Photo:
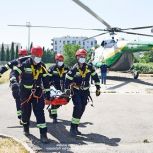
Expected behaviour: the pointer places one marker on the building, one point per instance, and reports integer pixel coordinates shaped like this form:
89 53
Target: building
59 42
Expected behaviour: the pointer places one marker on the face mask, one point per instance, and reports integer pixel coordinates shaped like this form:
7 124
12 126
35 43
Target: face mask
37 60
59 63
81 60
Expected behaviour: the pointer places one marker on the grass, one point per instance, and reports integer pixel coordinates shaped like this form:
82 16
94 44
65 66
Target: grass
8 145
5 77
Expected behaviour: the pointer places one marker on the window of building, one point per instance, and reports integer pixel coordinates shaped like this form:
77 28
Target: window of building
55 42
91 43
83 43
55 48
74 42
68 42
63 42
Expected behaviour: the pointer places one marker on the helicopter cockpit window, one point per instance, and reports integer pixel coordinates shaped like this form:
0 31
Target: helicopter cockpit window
108 43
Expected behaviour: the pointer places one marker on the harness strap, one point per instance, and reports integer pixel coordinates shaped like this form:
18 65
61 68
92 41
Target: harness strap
83 74
34 96
36 72
60 72
27 100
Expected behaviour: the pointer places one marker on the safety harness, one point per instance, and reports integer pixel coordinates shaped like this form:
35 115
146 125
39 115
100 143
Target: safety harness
33 90
60 72
83 75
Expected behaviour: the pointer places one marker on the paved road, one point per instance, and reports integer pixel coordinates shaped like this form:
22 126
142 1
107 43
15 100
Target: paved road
119 121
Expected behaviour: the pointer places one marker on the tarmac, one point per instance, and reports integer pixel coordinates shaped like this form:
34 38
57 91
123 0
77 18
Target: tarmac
121 120
118 82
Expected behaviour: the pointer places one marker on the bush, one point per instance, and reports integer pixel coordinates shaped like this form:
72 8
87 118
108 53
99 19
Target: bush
144 68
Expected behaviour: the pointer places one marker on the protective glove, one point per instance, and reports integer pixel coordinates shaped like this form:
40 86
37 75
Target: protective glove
68 92
14 84
97 92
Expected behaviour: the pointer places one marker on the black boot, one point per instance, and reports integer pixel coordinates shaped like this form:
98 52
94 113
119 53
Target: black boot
43 138
73 131
78 132
26 130
50 114
19 117
55 121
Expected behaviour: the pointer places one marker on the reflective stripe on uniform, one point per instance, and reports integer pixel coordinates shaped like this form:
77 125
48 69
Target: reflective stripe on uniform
17 69
44 75
28 86
6 65
50 75
78 74
19 113
68 77
75 120
92 74
55 72
27 69
47 90
41 126
53 111
85 88
97 83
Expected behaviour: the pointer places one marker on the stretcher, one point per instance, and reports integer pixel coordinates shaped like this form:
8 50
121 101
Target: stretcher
57 97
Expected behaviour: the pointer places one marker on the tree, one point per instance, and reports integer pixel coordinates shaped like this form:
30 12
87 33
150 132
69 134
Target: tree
16 51
12 51
69 54
2 53
48 56
7 54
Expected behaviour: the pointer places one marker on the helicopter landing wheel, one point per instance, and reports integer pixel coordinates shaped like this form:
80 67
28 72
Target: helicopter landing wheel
135 74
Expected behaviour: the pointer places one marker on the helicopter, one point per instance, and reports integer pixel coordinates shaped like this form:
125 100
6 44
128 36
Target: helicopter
116 53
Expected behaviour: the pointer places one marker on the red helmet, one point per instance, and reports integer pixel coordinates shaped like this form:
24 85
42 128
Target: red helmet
81 52
37 51
22 52
59 57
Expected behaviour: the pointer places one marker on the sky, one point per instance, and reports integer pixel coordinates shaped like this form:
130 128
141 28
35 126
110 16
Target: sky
118 13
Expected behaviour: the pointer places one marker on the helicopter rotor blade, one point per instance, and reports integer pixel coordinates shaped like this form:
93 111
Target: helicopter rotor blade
95 36
133 33
20 25
57 27
135 28
92 13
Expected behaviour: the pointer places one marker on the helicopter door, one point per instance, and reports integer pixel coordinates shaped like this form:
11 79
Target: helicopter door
108 43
